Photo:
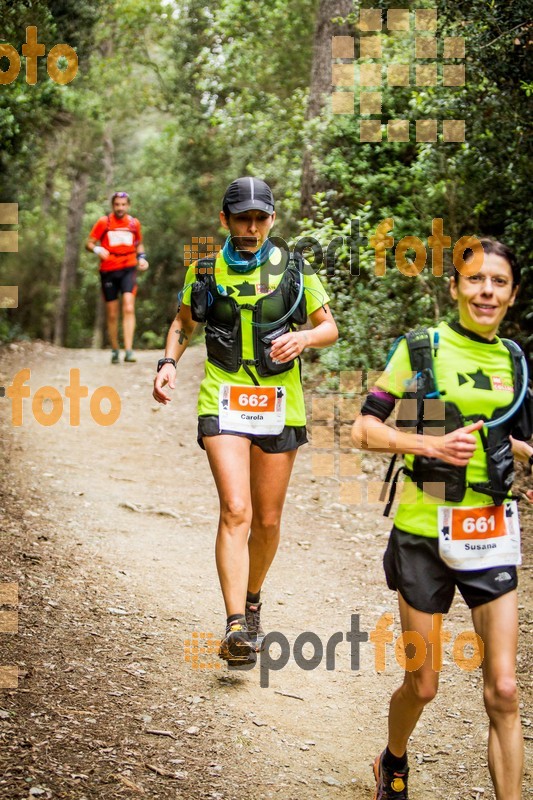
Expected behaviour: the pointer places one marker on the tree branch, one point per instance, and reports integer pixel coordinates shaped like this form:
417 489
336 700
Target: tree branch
521 25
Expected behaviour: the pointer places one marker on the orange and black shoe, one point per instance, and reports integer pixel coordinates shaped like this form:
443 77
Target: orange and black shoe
237 647
390 785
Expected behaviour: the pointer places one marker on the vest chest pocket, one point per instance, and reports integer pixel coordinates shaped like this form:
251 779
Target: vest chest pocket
224 345
264 341
199 301
439 479
500 466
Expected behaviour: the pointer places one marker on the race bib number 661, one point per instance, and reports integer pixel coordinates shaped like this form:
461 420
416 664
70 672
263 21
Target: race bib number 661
476 538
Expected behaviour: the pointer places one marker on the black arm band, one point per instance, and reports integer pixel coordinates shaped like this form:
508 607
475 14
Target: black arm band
377 407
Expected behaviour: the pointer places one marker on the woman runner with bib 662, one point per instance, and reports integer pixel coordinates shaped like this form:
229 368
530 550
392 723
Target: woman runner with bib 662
457 521
251 414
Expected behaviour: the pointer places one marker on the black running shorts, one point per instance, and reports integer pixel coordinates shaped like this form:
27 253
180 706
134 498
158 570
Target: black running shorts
118 281
414 568
291 437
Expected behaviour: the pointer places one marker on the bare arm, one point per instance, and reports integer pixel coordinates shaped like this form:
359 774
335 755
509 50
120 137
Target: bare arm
142 263
323 333
90 245
521 450
178 337
370 433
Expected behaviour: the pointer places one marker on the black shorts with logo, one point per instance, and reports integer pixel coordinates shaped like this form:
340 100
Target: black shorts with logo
290 438
414 567
118 281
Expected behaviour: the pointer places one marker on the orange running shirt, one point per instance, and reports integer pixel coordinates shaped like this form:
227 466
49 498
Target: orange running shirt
120 237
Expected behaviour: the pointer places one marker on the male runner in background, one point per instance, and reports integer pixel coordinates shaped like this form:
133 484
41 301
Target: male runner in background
120 252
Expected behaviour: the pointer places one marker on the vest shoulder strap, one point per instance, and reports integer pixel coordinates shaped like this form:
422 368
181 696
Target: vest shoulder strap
420 358
296 262
205 270
107 227
419 347
519 366
517 354
423 383
133 225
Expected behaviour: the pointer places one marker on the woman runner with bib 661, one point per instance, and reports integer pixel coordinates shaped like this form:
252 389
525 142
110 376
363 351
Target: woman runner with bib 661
457 521
251 414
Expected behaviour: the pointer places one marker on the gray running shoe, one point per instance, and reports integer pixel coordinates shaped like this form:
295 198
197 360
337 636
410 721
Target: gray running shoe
115 356
253 622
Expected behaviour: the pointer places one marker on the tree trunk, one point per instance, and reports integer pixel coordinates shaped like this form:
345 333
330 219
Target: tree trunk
109 170
108 158
69 268
51 169
109 174
97 341
320 85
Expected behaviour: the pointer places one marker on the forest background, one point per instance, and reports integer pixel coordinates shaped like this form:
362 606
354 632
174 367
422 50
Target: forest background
173 99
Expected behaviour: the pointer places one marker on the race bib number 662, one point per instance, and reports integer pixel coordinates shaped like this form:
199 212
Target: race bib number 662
252 409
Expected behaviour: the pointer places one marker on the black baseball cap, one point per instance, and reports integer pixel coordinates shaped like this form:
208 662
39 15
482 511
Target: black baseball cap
245 194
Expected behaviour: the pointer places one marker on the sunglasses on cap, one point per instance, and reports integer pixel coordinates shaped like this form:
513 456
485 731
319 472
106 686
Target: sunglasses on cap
120 194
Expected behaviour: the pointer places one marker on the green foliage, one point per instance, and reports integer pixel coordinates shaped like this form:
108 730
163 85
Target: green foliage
26 111
479 187
182 97
371 310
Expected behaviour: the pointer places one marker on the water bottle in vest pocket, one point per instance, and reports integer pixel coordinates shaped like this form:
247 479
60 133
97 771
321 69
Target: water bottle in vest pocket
199 301
224 344
266 364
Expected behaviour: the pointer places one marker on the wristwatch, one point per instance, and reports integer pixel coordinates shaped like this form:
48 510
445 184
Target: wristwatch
166 361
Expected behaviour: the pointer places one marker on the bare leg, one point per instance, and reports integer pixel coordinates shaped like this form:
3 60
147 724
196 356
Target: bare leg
270 475
229 459
497 625
111 312
418 688
128 319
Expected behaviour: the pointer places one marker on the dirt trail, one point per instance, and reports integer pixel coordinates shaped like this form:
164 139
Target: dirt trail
109 532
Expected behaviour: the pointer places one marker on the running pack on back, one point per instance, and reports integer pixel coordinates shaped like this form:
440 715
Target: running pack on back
273 315
424 410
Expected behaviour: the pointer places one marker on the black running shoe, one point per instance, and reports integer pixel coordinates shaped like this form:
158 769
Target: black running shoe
390 785
236 647
253 622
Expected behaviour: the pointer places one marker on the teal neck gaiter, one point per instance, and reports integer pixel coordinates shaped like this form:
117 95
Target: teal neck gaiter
243 265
